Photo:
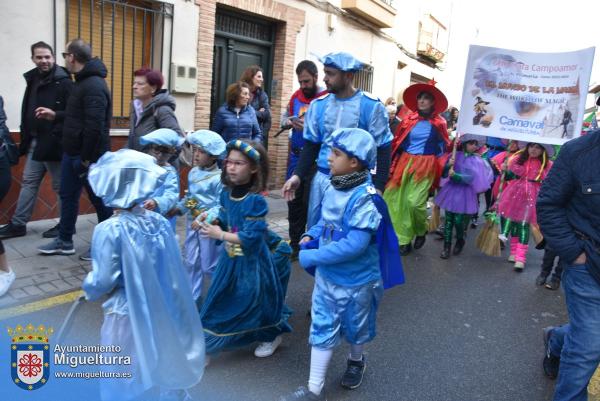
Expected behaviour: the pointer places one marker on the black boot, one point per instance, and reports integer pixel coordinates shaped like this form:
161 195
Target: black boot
405 249
458 247
446 252
419 241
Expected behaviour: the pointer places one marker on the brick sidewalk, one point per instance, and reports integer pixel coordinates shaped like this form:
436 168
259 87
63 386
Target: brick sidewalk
40 276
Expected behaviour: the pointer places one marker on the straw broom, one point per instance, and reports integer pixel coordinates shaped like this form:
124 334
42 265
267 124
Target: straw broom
487 240
435 220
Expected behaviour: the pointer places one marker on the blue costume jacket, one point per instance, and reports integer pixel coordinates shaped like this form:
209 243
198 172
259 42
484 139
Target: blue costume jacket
328 113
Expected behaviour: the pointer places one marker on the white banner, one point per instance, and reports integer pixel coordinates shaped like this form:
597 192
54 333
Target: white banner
532 97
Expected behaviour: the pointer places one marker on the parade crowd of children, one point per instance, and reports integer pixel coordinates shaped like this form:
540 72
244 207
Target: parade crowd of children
227 288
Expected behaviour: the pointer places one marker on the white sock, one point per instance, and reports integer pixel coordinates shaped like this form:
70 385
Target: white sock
319 361
356 352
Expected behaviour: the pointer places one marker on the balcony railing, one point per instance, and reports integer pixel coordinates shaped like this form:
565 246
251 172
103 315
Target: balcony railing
378 12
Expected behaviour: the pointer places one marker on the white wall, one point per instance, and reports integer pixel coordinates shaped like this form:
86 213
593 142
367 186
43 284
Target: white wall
16 16
316 39
185 37
17 33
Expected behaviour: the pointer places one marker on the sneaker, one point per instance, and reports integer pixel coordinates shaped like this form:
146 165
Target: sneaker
303 394
553 284
11 231
58 247
474 223
541 279
353 376
519 266
551 362
51 233
87 255
6 280
267 349
511 258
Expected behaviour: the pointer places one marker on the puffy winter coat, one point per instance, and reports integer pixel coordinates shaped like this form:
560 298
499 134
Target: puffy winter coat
260 100
88 114
231 124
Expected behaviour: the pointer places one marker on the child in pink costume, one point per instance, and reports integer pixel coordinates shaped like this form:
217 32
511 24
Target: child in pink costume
498 164
517 202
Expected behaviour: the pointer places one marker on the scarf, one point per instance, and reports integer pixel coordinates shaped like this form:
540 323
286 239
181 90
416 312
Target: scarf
349 180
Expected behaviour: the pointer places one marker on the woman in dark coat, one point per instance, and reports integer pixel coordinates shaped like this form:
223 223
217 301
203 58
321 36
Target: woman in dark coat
259 100
236 119
152 107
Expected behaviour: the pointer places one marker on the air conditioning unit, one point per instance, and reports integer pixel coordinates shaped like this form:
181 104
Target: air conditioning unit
184 79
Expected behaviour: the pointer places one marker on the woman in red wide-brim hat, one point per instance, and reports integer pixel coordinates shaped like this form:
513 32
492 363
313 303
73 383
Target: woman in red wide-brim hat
419 142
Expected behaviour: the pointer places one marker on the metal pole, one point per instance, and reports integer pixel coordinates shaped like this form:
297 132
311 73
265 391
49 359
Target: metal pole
79 20
123 63
112 52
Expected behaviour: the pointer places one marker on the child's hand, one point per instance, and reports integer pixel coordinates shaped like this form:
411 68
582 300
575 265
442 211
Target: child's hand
451 172
211 231
196 224
305 239
201 217
149 204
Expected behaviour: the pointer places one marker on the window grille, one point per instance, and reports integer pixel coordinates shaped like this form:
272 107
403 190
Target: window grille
363 79
126 35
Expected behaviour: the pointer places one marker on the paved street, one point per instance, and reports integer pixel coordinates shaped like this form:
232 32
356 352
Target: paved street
467 328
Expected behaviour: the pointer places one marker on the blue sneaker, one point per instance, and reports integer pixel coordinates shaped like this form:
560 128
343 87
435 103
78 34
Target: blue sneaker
57 247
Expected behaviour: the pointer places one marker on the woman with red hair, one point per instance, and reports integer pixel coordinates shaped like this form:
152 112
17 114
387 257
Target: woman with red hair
152 107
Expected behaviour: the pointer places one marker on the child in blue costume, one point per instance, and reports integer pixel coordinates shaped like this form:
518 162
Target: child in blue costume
163 144
136 262
348 280
245 301
204 189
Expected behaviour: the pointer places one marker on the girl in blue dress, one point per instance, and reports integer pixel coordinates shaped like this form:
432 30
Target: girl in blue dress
245 302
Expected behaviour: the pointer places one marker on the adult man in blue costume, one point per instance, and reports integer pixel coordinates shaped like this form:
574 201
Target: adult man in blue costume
343 107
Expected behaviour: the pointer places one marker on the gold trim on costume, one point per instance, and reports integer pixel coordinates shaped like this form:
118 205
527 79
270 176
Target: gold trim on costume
243 331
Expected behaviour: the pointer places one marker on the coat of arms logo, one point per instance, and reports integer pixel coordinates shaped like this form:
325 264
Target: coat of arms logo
30 355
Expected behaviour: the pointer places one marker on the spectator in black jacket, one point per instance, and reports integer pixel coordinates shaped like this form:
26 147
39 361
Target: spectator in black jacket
42 115
85 139
259 100
568 212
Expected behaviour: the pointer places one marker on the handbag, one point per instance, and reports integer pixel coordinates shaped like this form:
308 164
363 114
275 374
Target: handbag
8 148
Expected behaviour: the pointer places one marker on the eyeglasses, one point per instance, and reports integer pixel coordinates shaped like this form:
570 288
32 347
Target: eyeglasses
64 54
236 163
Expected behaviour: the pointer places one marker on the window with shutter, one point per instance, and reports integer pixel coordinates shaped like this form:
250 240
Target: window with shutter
126 35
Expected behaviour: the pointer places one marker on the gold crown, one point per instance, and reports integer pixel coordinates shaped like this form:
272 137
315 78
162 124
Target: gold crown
30 333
